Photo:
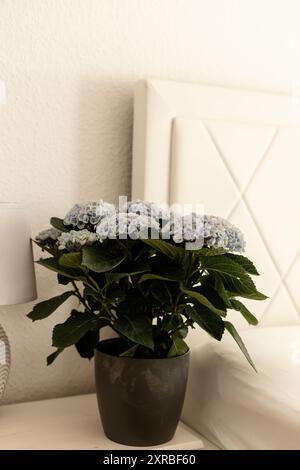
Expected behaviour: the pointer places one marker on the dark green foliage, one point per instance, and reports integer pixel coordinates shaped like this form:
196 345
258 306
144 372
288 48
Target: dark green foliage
44 309
75 327
150 292
58 224
207 320
102 257
86 344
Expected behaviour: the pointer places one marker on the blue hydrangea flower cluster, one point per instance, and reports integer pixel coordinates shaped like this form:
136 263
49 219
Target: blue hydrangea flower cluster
76 239
97 221
204 230
219 233
48 236
187 228
88 213
150 209
127 225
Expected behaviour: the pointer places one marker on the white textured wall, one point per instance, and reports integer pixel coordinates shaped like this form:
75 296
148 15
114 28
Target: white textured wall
65 134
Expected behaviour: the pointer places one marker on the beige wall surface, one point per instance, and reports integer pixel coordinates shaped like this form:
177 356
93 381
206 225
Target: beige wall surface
65 132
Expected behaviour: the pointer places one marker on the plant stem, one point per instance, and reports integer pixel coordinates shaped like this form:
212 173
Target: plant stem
93 282
108 310
80 297
176 302
94 286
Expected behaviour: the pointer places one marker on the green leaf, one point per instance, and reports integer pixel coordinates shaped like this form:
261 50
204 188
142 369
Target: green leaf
203 301
43 247
115 293
148 277
171 322
160 292
222 265
244 262
168 268
178 348
88 292
51 358
209 322
86 345
243 287
136 328
183 332
58 224
115 277
61 279
212 295
216 282
45 308
100 259
126 270
231 329
73 329
237 305
70 260
172 251
208 251
130 352
53 265
133 304
235 278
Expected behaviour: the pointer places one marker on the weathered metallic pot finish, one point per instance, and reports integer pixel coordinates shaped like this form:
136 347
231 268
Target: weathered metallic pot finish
140 400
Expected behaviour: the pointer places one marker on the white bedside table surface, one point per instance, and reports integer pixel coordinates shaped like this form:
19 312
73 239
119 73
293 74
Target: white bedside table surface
70 423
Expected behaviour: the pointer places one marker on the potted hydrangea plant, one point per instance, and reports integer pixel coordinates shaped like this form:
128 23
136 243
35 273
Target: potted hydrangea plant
149 274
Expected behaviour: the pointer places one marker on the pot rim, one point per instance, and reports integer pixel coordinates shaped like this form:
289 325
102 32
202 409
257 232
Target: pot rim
98 351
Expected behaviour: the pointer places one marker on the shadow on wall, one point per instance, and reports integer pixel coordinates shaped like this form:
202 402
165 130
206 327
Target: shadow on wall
105 118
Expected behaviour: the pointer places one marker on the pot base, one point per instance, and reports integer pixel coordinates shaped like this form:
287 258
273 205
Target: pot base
140 400
135 442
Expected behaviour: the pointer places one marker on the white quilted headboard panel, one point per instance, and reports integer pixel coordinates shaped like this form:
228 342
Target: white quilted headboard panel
237 153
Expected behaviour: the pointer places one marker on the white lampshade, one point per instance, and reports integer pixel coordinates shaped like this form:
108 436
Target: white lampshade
2 92
17 279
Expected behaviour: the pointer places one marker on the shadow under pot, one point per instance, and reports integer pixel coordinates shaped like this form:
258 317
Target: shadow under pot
140 400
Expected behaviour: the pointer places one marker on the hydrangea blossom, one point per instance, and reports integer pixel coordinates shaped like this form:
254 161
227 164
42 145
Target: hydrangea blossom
137 219
205 230
75 239
124 225
48 236
150 209
219 233
187 228
88 213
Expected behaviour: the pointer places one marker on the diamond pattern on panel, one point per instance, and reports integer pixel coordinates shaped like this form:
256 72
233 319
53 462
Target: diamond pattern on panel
293 280
243 146
269 281
274 197
267 214
281 311
194 156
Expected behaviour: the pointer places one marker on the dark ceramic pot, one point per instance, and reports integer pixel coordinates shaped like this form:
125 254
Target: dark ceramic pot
140 400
